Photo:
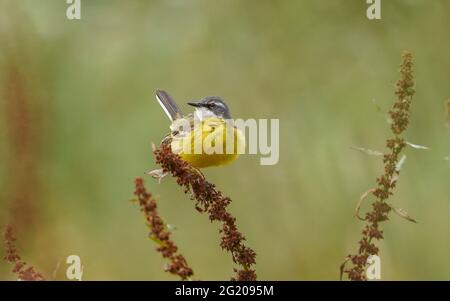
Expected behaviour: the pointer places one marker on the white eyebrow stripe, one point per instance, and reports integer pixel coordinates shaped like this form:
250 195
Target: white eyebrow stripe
220 104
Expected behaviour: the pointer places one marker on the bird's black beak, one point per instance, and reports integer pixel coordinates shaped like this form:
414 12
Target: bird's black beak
195 104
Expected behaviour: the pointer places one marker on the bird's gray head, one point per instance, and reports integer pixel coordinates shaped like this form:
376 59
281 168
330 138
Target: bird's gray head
213 104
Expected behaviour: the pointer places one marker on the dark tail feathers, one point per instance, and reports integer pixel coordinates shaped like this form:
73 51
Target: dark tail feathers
168 104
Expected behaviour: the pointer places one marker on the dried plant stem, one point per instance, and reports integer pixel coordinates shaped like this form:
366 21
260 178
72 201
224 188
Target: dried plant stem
23 272
399 114
21 114
160 234
214 203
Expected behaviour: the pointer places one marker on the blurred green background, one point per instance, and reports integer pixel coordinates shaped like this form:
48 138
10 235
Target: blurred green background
78 115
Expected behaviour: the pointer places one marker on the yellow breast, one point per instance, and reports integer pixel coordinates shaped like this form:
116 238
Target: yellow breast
211 143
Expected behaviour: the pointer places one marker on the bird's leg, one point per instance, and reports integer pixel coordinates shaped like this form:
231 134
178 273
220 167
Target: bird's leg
158 174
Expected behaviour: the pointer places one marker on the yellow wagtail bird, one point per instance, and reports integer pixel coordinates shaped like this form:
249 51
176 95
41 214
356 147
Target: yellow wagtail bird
210 131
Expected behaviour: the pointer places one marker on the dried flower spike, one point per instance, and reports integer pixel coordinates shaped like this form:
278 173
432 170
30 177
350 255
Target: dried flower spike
214 203
23 272
160 234
399 114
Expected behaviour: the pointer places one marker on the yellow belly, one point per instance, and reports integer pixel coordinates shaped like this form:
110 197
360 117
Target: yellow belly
212 152
204 160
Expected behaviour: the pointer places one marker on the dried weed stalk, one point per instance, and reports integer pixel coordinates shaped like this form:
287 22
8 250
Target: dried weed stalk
160 234
214 203
20 268
399 115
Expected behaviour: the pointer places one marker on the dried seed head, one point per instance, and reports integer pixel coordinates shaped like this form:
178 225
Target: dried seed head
160 234
399 115
208 199
20 267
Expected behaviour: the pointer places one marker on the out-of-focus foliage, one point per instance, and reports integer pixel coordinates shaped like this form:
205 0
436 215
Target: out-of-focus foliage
78 115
